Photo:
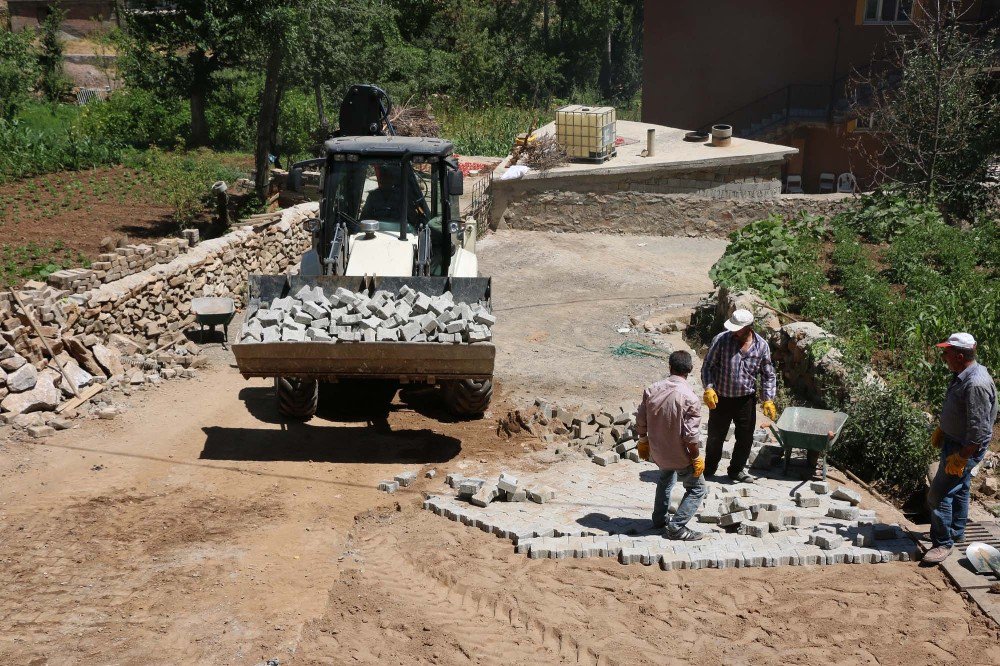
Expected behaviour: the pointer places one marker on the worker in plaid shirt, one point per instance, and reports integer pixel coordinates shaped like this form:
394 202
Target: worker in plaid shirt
729 375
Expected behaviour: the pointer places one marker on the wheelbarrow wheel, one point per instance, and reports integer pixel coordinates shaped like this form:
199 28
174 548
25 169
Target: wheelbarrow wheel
297 398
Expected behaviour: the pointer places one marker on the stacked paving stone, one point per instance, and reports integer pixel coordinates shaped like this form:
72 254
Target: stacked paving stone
609 436
507 488
112 266
348 316
604 512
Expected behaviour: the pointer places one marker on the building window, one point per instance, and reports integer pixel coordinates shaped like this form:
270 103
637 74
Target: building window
887 11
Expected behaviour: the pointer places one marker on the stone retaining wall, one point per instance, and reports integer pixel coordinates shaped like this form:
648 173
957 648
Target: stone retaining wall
638 212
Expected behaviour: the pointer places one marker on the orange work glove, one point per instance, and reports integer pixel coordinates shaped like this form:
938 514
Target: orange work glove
955 464
711 398
643 448
699 466
937 438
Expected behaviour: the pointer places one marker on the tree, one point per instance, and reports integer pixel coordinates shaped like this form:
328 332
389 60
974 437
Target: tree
54 83
178 50
18 70
934 109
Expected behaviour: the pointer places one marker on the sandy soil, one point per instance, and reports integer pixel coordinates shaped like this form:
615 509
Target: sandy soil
200 528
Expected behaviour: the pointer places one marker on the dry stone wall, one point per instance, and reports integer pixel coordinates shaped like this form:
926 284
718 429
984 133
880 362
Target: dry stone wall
658 214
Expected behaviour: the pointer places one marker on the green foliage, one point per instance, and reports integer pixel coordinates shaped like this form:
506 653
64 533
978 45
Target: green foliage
35 262
26 152
883 215
54 83
18 71
488 130
885 439
136 117
759 256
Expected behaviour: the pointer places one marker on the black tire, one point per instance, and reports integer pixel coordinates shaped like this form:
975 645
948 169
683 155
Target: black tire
467 397
297 398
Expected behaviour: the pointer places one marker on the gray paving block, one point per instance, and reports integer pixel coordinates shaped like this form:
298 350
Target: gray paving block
847 495
753 528
485 495
388 486
820 487
507 482
806 500
842 513
735 518
405 479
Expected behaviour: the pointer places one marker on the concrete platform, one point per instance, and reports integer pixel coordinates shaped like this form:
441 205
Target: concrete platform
671 152
605 512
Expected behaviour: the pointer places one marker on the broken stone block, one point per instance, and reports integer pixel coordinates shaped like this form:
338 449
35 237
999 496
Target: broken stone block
44 395
453 479
847 495
753 528
774 519
519 495
485 495
109 359
39 431
12 362
842 513
735 518
605 458
59 423
405 479
22 379
806 500
107 413
508 482
820 487
388 486
540 494
469 487
827 541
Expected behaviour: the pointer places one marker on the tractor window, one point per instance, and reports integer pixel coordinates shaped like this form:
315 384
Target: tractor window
373 189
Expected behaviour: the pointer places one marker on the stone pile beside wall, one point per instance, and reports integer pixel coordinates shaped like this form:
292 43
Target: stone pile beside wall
142 316
113 266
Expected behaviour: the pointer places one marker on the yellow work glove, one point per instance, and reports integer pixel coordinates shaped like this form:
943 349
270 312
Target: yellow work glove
955 464
699 466
770 411
711 398
643 448
937 438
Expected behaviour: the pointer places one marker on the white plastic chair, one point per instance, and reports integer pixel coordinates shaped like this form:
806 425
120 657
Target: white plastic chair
847 183
793 185
826 181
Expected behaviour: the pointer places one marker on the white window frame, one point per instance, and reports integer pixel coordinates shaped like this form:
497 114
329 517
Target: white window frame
899 18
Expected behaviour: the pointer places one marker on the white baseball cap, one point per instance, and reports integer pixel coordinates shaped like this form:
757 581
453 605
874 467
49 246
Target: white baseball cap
959 341
739 319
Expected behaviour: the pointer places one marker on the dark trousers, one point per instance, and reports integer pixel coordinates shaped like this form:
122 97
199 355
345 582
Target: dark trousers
743 412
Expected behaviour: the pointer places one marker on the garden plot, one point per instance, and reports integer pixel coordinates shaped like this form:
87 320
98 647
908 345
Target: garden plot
578 509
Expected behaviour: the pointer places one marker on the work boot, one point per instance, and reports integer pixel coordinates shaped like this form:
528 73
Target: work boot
742 477
937 554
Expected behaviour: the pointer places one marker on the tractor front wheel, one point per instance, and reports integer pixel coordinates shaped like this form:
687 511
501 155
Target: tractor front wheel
297 398
467 397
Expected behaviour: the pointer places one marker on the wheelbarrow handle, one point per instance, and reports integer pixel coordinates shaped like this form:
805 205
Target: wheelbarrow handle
776 434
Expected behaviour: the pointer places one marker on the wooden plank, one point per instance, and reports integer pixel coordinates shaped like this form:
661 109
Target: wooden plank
86 395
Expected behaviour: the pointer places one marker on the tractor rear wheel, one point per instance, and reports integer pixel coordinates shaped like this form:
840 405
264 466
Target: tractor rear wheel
467 397
297 398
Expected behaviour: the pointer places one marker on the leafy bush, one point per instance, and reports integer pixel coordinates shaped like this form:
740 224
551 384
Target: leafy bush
489 130
886 214
138 118
26 152
885 439
18 70
760 254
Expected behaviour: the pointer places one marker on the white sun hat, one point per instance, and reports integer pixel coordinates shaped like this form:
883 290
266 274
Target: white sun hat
959 341
739 319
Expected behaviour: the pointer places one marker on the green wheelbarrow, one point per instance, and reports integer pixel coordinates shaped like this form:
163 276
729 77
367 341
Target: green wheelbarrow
213 311
809 429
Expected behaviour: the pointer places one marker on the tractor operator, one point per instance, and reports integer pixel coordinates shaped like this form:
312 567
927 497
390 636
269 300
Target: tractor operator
735 359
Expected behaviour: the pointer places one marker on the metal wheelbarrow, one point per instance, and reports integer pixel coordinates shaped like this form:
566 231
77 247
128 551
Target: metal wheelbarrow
213 311
809 429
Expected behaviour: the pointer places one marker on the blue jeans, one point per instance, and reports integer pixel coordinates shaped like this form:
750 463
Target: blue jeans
694 491
948 498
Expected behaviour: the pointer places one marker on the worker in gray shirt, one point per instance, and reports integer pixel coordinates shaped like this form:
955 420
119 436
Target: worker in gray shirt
966 428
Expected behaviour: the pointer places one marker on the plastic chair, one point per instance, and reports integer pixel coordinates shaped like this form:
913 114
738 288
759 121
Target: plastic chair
793 185
826 181
847 183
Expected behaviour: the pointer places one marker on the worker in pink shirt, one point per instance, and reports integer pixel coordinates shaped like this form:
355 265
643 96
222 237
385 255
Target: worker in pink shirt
668 423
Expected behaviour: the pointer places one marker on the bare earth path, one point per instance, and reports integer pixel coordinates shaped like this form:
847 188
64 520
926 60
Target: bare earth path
198 528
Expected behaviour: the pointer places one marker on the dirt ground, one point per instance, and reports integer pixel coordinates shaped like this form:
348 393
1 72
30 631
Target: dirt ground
198 527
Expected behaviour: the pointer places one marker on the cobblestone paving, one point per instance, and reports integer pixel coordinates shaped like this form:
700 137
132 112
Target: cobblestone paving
605 512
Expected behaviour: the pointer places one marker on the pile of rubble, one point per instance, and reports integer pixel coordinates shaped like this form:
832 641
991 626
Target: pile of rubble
43 367
348 316
609 436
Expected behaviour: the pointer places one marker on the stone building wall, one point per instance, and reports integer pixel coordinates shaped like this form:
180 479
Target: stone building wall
637 212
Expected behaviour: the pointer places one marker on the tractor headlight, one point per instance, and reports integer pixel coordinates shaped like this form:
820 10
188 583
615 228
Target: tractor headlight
311 225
